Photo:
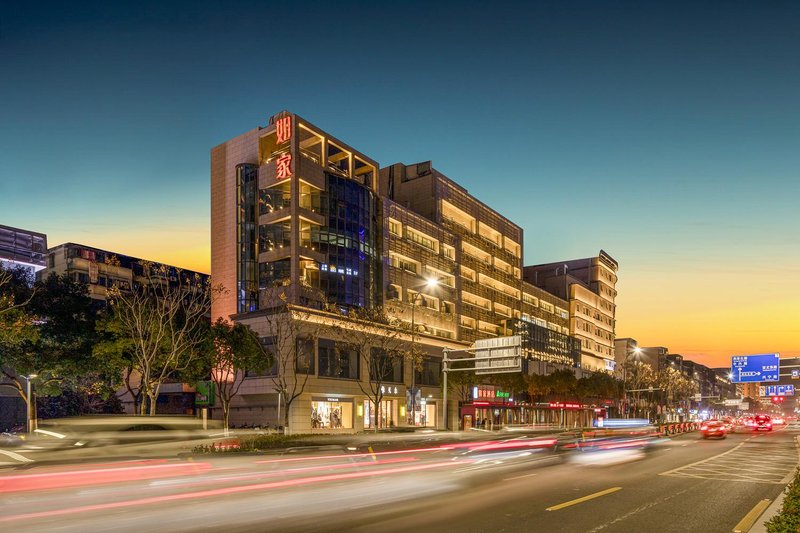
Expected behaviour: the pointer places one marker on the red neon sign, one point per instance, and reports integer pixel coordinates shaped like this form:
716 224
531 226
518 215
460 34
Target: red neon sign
283 129
283 166
563 405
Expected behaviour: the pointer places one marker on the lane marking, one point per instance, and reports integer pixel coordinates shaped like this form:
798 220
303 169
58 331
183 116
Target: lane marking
583 499
701 462
520 477
750 518
16 456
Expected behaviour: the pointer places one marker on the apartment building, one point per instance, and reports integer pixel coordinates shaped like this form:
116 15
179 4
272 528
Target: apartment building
300 218
101 270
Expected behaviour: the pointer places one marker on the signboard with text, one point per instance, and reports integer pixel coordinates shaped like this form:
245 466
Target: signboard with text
755 368
776 390
498 355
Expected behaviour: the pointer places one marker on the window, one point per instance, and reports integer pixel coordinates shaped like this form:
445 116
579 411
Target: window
430 373
331 414
449 252
304 361
395 228
269 344
385 367
337 360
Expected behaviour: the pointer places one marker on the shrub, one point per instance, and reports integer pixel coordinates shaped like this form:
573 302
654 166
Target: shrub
788 520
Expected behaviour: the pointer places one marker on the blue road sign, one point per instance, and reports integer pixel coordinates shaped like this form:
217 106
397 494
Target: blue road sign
778 390
755 368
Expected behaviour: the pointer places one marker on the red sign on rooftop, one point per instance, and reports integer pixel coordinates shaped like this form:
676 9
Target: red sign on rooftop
283 129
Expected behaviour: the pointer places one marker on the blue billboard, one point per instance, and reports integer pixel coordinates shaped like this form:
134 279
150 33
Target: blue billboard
755 368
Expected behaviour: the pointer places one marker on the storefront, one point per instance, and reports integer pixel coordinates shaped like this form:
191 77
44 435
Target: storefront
490 408
422 411
331 413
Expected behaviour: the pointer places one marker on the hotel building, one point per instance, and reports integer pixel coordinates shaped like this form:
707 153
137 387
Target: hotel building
299 217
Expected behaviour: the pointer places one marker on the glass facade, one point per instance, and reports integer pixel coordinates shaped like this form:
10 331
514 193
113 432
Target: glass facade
246 224
351 276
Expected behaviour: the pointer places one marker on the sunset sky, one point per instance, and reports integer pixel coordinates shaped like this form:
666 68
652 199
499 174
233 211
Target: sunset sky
667 135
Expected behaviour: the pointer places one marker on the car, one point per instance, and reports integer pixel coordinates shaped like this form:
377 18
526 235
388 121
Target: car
713 428
730 424
762 423
778 421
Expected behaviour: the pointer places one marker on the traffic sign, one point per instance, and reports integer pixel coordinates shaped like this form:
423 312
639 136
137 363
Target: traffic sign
755 368
795 373
777 390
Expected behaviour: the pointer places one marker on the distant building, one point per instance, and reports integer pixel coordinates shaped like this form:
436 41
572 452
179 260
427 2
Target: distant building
589 285
104 269
22 248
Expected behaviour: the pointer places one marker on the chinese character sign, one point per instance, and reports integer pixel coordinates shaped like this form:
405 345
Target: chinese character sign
283 129
283 166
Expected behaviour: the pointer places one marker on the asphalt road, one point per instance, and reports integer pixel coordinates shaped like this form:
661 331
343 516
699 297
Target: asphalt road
689 484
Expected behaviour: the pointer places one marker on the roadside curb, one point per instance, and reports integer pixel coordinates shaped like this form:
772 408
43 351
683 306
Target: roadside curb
775 507
772 510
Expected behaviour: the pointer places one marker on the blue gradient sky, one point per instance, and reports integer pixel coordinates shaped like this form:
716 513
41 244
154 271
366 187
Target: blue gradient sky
666 134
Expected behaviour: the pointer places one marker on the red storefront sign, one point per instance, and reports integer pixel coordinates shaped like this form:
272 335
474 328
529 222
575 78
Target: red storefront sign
565 405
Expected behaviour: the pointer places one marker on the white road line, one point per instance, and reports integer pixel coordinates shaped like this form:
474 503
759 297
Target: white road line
16 456
519 477
701 462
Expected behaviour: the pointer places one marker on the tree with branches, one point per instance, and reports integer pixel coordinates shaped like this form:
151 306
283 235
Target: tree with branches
380 347
290 347
156 330
230 351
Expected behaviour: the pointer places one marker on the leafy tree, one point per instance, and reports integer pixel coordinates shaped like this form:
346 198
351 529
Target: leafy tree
230 351
58 347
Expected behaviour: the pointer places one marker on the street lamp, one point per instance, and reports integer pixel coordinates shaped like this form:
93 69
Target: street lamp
28 407
430 283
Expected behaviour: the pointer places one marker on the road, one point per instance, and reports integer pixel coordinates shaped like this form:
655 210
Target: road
688 484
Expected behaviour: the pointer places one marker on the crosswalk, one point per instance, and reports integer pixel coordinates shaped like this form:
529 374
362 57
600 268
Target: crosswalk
757 460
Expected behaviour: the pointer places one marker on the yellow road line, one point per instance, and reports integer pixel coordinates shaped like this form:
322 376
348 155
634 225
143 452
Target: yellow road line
583 499
750 518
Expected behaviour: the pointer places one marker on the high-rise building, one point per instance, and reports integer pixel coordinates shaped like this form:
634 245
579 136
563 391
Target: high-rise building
589 285
300 218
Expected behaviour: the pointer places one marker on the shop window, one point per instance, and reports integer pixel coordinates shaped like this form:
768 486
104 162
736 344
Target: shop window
331 414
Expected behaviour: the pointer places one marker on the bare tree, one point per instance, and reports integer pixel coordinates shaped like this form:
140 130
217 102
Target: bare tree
289 345
380 347
159 325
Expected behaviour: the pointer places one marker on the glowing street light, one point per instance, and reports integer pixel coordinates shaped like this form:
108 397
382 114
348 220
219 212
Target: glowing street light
430 283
